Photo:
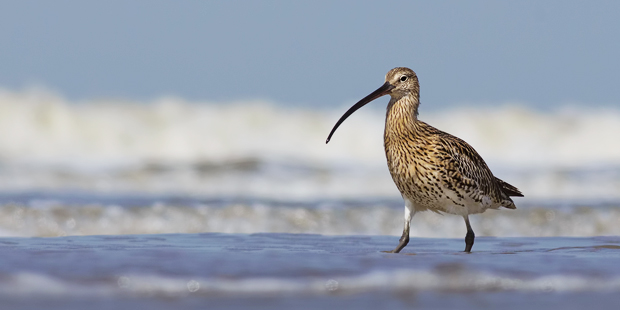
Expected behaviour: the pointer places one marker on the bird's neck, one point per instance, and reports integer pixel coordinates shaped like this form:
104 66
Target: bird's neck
402 116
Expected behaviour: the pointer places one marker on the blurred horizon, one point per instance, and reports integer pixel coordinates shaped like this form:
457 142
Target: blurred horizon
319 54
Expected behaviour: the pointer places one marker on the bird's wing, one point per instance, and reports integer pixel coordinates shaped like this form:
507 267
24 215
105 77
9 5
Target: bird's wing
466 169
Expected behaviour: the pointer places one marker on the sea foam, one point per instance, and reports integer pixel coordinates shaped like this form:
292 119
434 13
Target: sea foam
256 148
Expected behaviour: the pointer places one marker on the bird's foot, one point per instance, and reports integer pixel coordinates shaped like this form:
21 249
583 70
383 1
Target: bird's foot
392 251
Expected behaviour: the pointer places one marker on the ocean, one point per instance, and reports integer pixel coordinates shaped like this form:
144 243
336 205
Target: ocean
169 203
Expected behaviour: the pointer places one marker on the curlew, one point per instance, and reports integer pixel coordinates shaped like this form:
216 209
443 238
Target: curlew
433 170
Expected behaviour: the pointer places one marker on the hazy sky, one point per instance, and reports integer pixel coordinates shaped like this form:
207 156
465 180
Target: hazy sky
317 53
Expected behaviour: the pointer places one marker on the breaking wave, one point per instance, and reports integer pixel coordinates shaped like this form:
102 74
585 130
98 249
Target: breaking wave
260 149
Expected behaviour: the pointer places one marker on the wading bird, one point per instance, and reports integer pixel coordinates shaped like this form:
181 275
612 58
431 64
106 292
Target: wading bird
433 170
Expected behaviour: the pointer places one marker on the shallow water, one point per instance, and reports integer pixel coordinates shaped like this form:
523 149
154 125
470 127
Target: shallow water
282 270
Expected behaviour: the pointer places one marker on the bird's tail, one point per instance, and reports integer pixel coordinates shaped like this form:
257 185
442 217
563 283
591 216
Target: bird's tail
508 189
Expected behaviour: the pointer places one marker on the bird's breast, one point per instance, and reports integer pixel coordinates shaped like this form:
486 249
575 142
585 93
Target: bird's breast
413 171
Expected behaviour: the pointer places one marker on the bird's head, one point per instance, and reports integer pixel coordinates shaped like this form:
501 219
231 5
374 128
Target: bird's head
404 82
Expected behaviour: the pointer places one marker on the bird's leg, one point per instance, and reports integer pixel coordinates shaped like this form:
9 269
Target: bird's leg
404 239
469 238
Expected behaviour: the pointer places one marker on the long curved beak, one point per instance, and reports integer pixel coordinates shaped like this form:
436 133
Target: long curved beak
383 90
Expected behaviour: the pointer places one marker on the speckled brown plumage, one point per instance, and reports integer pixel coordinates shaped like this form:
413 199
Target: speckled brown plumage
432 169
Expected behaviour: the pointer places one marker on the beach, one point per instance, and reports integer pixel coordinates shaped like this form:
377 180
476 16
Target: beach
180 204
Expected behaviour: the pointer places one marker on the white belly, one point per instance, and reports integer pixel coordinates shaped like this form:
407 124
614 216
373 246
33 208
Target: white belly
449 202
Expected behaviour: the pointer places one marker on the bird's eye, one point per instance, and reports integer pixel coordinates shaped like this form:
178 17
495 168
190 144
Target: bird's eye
403 78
